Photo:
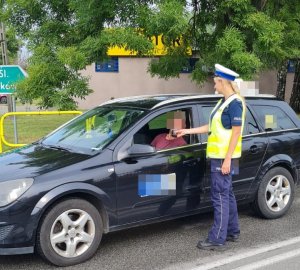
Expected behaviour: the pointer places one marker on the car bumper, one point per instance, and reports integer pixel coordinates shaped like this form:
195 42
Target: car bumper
17 229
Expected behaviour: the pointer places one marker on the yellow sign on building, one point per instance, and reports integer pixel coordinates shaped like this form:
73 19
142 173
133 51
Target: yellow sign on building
159 48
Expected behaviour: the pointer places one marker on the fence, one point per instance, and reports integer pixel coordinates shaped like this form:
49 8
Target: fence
27 127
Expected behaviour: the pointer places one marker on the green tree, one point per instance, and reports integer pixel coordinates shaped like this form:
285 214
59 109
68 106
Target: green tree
236 33
293 37
287 12
247 35
65 36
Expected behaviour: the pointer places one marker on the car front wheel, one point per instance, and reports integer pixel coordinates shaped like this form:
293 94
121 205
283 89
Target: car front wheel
70 232
275 193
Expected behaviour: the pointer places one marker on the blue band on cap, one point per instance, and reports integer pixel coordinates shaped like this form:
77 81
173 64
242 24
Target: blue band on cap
225 76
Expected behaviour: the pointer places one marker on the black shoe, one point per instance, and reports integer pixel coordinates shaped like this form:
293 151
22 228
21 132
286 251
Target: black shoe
233 237
209 245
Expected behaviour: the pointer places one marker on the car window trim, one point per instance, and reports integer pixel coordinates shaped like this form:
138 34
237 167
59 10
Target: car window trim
248 135
179 147
262 133
282 130
267 132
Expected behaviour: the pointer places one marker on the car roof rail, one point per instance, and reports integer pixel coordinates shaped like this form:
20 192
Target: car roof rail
177 97
169 101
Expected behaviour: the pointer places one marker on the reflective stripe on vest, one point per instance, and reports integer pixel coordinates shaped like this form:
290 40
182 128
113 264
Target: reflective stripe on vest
219 137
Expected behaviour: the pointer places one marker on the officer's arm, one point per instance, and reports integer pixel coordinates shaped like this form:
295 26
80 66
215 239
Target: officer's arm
197 130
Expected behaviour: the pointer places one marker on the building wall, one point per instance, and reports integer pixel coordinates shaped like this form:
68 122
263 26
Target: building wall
268 84
133 79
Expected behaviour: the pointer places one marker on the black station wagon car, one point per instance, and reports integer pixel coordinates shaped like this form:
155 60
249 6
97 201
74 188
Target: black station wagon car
90 176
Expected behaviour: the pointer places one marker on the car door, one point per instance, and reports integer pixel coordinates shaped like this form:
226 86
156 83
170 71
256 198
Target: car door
282 127
254 144
183 163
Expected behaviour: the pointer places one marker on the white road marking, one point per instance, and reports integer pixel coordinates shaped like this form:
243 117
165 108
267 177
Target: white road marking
271 260
248 254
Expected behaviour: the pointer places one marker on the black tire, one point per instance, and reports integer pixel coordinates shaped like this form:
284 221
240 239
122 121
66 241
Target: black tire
274 207
73 210
3 100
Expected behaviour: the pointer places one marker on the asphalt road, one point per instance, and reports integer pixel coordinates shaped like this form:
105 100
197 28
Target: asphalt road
172 245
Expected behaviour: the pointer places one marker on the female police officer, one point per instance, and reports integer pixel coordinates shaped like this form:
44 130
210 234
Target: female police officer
223 148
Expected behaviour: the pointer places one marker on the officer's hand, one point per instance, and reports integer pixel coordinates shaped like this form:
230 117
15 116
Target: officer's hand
181 132
226 166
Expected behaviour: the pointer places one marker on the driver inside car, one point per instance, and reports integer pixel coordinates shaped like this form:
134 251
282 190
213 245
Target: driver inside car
175 120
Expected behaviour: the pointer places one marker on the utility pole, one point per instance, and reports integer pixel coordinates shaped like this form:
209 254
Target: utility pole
3 40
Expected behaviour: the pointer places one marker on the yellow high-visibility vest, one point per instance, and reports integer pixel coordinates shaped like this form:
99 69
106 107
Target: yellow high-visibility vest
219 137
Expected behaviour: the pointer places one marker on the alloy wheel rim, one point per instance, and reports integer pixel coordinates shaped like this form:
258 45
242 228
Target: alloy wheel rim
72 233
278 193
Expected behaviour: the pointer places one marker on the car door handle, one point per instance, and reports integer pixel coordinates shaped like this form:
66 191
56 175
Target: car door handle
193 187
190 162
254 149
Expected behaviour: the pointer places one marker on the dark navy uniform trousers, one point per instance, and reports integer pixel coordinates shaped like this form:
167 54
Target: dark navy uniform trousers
224 203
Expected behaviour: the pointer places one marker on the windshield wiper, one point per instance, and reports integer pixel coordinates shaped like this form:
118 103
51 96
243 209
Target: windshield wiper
96 148
57 147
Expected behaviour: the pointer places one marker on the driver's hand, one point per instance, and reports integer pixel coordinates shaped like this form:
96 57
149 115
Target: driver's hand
181 132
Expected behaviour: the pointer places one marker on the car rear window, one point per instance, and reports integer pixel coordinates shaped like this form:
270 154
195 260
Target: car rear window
273 118
251 126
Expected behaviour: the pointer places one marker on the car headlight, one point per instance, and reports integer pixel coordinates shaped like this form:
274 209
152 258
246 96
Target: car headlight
13 189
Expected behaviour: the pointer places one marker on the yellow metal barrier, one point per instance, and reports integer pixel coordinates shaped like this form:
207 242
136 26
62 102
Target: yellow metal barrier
3 141
1 148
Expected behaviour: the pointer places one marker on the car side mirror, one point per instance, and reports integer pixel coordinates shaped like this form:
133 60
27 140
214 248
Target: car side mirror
140 149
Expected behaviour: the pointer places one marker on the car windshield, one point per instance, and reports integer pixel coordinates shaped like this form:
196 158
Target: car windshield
93 130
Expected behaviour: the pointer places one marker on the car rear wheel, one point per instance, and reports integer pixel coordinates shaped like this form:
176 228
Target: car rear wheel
70 233
275 193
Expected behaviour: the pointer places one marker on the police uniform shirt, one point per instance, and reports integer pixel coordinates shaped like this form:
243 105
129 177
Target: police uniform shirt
232 114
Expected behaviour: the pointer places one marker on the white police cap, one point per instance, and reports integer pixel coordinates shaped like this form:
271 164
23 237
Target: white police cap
225 73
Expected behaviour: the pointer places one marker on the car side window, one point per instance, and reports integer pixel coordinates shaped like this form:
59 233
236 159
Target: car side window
158 122
157 132
251 126
273 118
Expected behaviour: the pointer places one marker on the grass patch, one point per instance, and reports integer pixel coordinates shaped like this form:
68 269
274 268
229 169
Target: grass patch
31 128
